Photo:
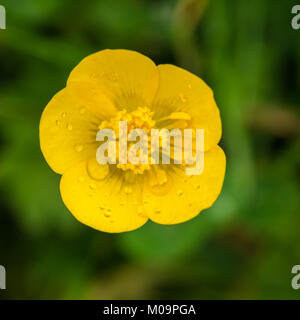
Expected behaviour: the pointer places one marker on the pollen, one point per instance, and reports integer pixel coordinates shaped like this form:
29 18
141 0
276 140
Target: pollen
141 118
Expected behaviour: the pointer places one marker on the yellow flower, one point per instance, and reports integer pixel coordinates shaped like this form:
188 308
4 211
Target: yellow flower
114 85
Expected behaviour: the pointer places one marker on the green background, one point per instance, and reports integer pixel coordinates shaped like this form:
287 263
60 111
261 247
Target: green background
243 247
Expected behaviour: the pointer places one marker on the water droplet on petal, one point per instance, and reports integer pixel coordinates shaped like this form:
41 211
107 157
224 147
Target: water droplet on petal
179 192
63 114
162 177
58 123
113 76
93 186
128 190
82 110
97 171
81 179
157 211
189 86
197 186
78 147
107 213
182 97
102 207
69 127
141 212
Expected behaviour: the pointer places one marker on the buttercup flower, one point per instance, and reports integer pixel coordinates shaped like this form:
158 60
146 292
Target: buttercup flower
122 85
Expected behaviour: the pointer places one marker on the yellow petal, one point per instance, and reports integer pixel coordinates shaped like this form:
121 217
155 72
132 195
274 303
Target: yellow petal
69 125
182 92
129 78
187 195
102 201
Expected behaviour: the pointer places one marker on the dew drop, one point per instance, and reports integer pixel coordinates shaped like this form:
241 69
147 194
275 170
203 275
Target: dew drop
63 114
82 110
81 179
58 123
189 86
162 177
113 76
182 97
157 211
69 127
97 171
91 194
128 190
107 213
179 192
93 186
140 210
78 147
141 213
102 206
197 186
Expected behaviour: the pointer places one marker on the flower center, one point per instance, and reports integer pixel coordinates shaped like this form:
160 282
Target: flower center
141 118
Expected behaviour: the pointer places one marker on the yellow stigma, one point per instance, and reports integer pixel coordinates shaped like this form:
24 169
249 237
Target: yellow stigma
141 118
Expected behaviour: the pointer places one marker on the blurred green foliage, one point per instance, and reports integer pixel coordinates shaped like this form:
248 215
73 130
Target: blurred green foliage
242 247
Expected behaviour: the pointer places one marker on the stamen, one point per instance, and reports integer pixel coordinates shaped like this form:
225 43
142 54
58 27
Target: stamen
140 118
